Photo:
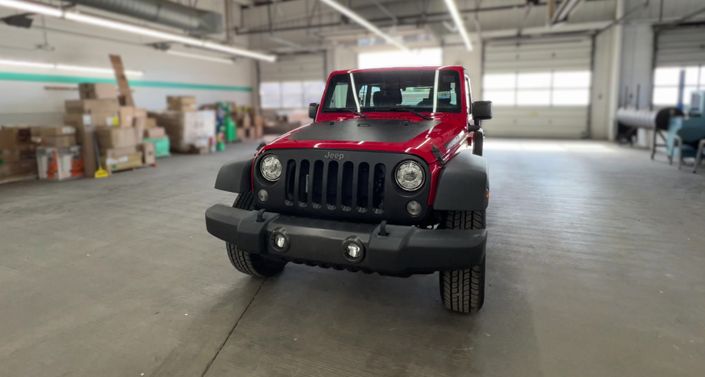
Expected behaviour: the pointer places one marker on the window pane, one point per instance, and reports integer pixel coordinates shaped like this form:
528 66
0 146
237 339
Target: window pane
292 95
692 75
270 95
412 96
665 96
702 77
571 97
534 80
688 93
499 81
533 97
574 79
667 76
313 90
499 97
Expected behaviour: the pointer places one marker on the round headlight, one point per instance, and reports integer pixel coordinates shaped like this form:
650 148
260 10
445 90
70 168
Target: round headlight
409 175
270 167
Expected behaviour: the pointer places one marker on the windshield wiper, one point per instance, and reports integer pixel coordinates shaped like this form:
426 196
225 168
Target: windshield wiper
407 110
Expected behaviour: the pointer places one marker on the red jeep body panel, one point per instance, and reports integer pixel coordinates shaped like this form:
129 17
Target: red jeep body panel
449 136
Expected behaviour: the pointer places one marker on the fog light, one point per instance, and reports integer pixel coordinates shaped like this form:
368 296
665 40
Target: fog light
414 208
280 240
353 249
262 195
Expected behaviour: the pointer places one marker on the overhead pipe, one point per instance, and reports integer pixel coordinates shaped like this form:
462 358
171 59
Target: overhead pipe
169 13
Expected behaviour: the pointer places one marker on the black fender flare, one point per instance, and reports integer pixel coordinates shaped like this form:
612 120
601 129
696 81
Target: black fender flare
235 177
463 184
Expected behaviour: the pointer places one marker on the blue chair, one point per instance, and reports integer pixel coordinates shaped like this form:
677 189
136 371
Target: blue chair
686 139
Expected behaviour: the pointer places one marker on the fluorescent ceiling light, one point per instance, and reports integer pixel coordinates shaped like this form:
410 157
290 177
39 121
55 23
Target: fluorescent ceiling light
32 7
66 67
133 29
363 22
200 57
453 9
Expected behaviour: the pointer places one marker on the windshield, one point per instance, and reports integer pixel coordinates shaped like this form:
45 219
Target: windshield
385 90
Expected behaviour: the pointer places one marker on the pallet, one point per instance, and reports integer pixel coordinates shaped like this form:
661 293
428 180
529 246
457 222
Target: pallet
192 149
18 178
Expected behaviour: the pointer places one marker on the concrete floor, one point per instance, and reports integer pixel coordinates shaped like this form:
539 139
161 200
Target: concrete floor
596 264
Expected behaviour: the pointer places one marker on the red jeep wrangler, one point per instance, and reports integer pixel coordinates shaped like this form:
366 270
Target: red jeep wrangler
389 178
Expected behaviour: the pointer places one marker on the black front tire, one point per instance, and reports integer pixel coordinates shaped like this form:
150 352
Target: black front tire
463 290
253 264
249 263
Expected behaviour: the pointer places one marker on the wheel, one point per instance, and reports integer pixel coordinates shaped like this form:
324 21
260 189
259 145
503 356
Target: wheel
253 264
463 290
248 263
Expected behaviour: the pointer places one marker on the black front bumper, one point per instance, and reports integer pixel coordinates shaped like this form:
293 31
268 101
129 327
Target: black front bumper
402 250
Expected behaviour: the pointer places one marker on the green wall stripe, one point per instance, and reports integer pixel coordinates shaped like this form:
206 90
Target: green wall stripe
32 77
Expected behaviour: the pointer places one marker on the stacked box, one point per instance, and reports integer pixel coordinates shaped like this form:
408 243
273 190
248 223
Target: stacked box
17 154
149 156
59 164
108 107
118 147
250 124
97 91
189 131
181 103
161 146
85 115
55 136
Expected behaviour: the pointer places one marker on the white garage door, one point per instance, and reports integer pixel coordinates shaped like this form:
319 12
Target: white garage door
539 87
292 82
680 55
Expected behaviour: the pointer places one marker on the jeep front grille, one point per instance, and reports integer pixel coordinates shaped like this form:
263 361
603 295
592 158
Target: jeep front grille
331 185
341 184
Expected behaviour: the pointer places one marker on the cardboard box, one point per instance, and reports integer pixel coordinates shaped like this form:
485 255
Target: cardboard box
61 141
59 163
54 136
116 153
17 153
116 137
161 146
148 153
154 132
188 129
123 162
150 122
181 103
11 137
18 168
97 91
95 119
92 106
52 131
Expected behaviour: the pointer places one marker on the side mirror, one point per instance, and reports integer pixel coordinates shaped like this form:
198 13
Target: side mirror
312 110
481 110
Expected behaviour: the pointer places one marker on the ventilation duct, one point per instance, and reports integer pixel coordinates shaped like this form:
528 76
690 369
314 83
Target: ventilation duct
162 12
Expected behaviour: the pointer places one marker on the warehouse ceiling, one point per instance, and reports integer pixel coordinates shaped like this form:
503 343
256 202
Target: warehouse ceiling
294 26
310 22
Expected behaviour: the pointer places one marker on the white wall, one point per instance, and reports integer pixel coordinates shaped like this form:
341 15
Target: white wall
31 103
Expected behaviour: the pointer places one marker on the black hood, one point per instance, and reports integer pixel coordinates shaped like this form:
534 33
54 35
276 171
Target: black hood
376 130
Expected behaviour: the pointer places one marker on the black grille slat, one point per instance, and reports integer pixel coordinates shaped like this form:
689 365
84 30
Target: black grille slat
289 183
378 187
362 183
332 185
346 194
